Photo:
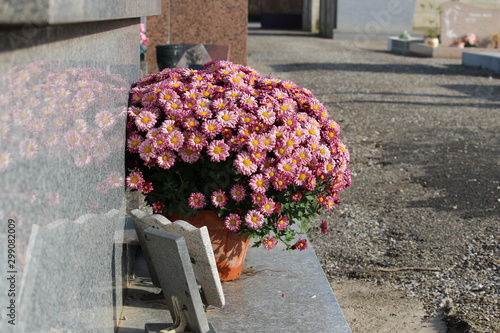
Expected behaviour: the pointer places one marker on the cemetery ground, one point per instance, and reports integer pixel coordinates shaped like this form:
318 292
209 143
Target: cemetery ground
416 240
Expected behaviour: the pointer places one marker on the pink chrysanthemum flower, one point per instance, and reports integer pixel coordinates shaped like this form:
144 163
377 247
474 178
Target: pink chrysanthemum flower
148 99
321 199
330 202
254 219
232 94
189 154
246 119
166 159
211 128
153 133
258 183
175 140
159 142
280 182
255 142
146 188
269 243
218 151
287 166
219 198
190 103
168 126
219 104
258 198
290 140
282 223
268 141
268 206
266 115
238 192
146 150
191 93
302 174
173 105
323 152
227 118
197 140
300 245
145 120
248 102
258 156
270 173
134 180
202 112
310 184
158 207
296 196
303 155
232 222
244 164
324 227
190 123
197 200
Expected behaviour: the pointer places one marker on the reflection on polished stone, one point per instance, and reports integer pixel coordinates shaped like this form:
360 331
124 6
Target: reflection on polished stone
62 135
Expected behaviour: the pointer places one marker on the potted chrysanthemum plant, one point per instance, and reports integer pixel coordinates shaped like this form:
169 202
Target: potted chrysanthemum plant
255 153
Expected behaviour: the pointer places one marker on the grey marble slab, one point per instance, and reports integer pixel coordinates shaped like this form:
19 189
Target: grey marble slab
277 292
37 12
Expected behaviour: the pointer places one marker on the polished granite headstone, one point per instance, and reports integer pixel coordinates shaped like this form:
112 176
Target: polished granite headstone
63 100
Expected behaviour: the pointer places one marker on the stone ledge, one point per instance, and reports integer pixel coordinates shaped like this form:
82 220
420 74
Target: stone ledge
485 60
43 12
277 292
425 50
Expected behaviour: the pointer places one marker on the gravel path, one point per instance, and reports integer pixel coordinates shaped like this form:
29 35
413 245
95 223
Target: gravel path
422 216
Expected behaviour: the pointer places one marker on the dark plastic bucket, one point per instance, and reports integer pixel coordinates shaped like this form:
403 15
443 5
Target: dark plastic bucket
167 56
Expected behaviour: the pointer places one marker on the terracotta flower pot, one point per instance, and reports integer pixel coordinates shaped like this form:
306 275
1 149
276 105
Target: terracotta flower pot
230 248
